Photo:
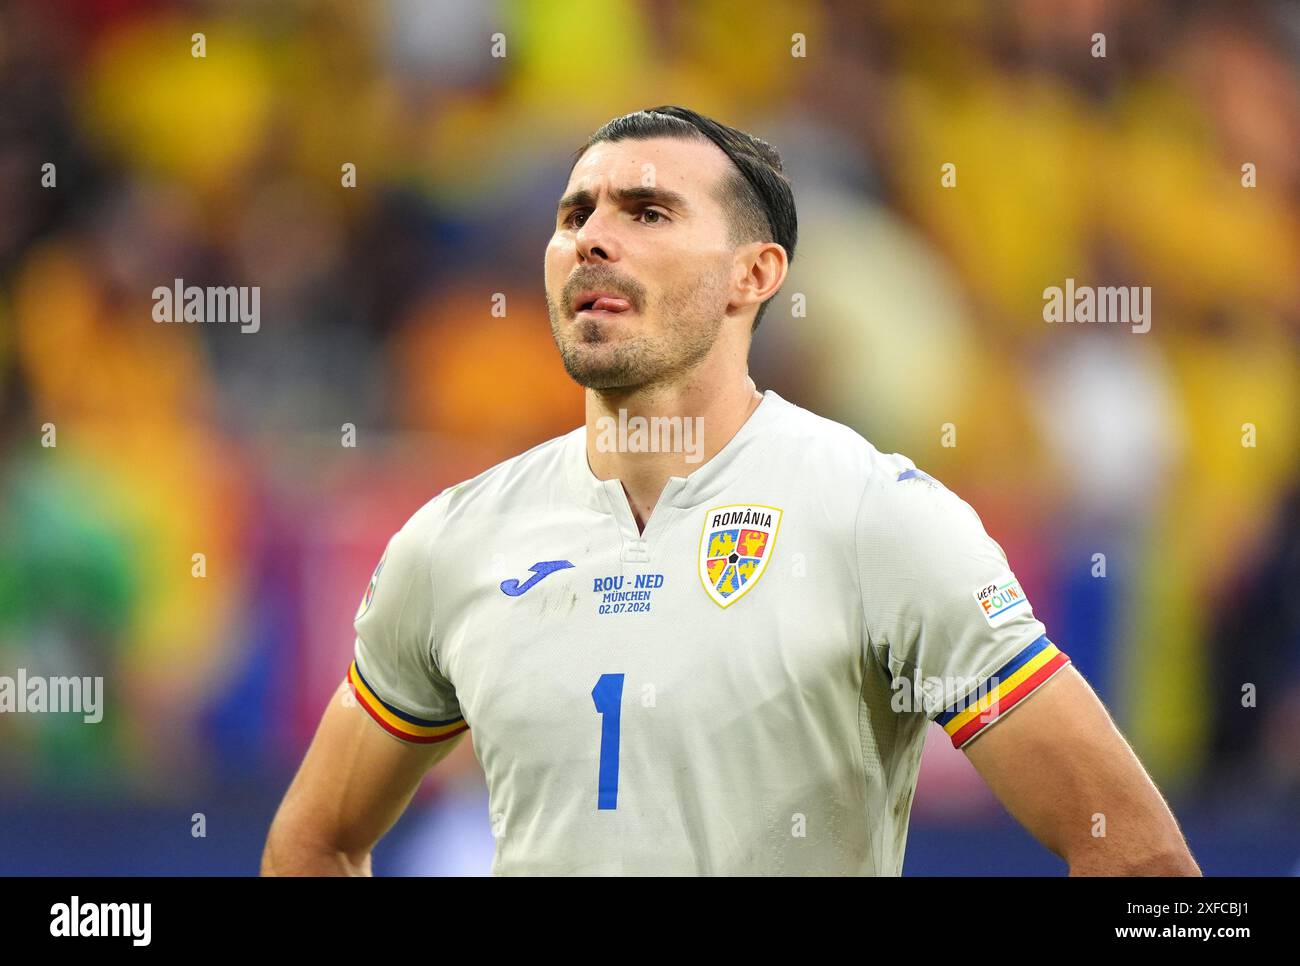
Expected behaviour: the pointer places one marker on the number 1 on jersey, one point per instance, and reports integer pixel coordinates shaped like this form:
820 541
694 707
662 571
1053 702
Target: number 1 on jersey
608 696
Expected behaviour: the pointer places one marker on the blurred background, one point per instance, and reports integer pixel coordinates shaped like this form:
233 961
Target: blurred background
924 307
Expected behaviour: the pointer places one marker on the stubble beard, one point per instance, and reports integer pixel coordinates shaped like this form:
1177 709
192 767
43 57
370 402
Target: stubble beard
692 318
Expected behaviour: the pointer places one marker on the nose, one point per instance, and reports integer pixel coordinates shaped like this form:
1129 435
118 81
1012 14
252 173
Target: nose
594 240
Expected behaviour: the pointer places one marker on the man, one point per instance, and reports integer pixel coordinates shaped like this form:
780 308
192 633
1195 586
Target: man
718 655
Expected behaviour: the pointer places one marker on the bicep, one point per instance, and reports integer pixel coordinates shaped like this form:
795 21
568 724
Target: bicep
1064 771
354 782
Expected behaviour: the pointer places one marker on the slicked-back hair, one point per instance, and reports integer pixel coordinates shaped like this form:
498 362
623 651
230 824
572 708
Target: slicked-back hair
756 196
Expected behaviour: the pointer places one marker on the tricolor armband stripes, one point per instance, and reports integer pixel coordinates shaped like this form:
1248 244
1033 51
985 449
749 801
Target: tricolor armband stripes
1004 689
405 726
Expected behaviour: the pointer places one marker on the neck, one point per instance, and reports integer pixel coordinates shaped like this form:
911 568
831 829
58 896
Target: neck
645 435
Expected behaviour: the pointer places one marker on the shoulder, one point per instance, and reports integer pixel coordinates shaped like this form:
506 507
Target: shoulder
834 454
895 503
522 481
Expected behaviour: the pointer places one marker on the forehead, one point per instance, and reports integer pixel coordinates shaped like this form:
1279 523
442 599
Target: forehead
691 168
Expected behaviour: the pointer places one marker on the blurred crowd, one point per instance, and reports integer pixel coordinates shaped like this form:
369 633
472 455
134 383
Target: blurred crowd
1171 162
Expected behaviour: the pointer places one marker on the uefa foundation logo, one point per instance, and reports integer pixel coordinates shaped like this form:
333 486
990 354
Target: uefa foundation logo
370 590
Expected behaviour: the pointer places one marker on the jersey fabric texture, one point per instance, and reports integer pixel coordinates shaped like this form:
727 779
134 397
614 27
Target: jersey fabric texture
744 688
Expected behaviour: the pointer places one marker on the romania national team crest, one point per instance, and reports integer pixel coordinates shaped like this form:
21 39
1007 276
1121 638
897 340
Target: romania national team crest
734 549
370 591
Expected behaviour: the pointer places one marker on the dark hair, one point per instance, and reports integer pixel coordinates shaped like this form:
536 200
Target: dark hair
756 197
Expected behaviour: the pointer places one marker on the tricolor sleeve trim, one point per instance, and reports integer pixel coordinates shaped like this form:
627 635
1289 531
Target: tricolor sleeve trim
397 722
1006 688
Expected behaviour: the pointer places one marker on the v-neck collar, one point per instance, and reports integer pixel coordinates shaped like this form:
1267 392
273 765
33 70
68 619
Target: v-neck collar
681 492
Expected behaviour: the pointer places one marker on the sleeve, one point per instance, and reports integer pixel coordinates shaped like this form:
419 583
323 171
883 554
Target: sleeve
394 674
944 611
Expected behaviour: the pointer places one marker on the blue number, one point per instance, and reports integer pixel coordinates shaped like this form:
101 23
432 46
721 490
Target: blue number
608 695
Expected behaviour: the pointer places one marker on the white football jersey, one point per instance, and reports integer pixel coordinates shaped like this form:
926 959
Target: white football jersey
744 688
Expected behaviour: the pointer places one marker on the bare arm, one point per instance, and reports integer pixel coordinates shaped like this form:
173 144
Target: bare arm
1061 768
354 783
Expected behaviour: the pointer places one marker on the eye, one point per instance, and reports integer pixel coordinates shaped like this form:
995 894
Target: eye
659 217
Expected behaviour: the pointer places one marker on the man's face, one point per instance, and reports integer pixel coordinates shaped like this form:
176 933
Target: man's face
639 222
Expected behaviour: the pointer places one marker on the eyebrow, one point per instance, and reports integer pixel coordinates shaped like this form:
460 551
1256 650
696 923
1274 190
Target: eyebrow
583 198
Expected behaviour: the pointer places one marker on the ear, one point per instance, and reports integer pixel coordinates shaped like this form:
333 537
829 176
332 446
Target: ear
761 269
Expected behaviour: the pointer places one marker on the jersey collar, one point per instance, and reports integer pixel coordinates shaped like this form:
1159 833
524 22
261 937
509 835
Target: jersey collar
703 484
